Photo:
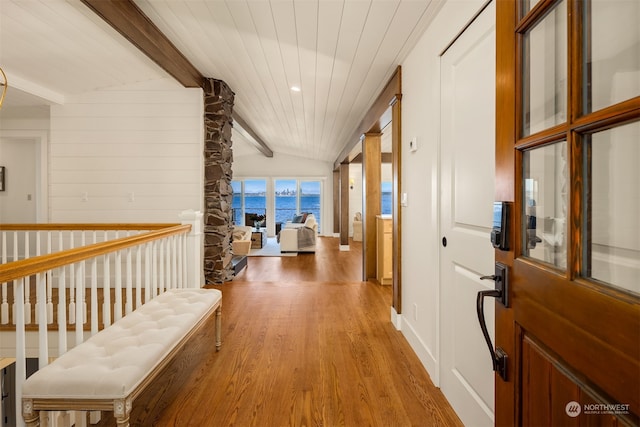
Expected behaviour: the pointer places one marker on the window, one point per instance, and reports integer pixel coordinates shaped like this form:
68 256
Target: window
294 196
249 199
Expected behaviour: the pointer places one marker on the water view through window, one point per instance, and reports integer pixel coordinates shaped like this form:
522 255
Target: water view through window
291 197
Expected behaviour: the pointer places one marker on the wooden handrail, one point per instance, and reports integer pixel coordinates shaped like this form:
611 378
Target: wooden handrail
28 267
84 227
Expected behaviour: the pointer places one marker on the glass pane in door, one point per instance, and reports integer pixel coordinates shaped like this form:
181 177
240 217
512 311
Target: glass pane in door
544 220
544 91
611 72
611 220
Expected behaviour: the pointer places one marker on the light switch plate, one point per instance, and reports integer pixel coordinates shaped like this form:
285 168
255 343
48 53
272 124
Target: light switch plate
413 145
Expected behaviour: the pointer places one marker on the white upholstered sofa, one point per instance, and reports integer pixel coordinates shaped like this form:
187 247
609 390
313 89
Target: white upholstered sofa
299 237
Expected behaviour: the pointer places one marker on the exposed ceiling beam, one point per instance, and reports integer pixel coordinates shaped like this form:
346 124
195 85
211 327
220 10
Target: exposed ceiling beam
372 120
241 126
127 18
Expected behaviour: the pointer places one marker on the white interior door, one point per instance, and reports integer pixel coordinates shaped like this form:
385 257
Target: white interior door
18 198
467 195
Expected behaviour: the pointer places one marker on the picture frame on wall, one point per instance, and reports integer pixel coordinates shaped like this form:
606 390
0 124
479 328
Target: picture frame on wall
2 174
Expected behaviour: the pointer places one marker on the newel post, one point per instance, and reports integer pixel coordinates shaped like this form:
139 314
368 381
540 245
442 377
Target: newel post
194 256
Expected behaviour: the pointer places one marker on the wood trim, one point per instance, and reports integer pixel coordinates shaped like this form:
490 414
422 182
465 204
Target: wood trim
336 201
126 18
369 123
396 170
506 122
28 267
344 204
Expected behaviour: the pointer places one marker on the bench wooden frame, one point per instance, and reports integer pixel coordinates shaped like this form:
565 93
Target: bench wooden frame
120 407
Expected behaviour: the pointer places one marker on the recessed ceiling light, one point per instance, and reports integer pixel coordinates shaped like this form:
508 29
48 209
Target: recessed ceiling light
295 88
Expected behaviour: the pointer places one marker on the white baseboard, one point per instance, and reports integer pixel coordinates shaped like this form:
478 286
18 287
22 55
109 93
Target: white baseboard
423 352
396 319
344 248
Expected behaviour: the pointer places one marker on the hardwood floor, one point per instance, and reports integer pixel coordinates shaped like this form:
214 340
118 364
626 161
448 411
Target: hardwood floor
305 343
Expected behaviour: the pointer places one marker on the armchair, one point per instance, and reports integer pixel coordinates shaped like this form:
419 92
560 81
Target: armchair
241 240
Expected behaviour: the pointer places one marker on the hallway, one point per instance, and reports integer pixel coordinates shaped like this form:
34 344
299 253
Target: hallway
304 343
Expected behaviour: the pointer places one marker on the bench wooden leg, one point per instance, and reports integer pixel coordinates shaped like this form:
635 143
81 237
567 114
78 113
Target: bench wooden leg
31 417
121 412
218 328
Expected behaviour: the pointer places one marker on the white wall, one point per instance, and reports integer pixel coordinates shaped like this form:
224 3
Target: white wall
282 166
420 230
127 154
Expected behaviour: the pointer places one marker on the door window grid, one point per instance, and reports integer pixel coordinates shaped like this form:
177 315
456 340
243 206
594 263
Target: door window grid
620 107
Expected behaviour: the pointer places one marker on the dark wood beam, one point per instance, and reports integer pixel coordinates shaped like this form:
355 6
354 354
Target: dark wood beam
126 18
371 121
251 136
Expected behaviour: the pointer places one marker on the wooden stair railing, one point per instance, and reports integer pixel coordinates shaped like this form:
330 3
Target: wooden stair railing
85 286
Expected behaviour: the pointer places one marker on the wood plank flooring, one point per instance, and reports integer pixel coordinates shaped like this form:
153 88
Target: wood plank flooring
305 343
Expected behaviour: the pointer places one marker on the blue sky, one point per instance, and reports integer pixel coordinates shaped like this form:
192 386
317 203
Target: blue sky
260 186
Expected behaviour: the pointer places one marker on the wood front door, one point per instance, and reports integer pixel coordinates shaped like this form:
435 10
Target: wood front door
567 159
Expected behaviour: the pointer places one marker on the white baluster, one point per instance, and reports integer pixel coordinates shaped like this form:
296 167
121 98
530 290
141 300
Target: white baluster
154 269
20 342
49 276
43 341
94 291
138 276
39 297
118 285
129 284
27 284
72 286
15 295
174 261
161 264
106 288
79 291
82 296
147 272
62 304
4 306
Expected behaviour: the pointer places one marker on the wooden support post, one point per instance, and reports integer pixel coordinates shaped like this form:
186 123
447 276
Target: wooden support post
371 182
344 206
336 202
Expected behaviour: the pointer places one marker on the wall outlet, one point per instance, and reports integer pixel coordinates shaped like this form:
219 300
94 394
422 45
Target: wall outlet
415 312
85 197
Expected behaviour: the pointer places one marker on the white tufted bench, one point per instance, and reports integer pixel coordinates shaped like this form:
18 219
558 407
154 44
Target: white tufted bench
109 370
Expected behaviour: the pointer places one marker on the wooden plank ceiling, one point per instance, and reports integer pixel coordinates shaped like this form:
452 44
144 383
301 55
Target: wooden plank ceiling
339 53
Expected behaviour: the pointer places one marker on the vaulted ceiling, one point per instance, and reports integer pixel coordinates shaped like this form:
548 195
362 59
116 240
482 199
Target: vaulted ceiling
340 54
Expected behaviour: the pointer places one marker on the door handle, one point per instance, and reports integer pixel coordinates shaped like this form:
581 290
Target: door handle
498 356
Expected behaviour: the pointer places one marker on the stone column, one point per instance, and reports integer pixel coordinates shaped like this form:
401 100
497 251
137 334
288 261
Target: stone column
218 194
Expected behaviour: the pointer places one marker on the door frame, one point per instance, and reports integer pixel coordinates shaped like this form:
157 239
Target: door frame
41 140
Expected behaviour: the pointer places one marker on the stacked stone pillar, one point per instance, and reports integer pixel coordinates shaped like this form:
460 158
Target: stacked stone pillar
218 194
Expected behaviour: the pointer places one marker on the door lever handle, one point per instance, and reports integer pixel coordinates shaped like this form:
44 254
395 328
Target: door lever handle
498 356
